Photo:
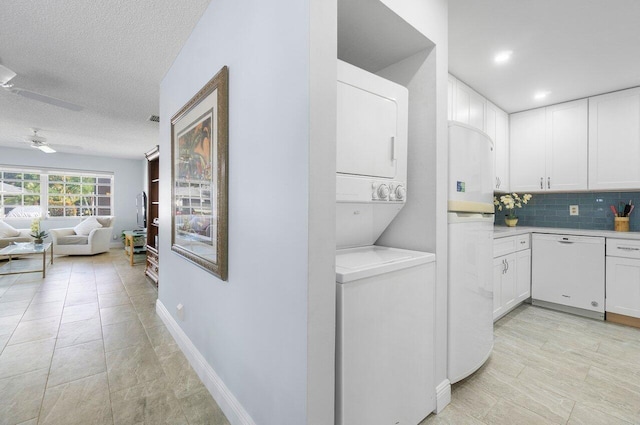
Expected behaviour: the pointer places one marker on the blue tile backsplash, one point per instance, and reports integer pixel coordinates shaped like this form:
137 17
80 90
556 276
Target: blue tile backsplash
552 210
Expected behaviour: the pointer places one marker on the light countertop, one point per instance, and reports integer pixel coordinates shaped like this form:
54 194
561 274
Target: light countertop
504 231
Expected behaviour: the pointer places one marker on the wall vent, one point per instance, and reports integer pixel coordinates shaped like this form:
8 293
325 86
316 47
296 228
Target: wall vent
154 118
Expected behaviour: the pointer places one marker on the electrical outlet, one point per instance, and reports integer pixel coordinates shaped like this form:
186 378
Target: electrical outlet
574 210
115 237
180 311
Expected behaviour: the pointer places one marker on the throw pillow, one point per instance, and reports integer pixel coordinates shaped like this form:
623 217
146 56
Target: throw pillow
105 221
85 227
7 231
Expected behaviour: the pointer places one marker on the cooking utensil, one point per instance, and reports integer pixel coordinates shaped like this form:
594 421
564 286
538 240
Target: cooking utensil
627 209
613 210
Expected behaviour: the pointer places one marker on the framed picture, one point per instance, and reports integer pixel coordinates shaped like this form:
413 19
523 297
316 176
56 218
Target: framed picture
199 157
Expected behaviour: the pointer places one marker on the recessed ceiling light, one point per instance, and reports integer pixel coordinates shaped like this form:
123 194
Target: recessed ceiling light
503 56
541 95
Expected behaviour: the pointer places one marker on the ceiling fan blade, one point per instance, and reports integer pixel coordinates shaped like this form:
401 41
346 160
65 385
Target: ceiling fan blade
45 149
46 99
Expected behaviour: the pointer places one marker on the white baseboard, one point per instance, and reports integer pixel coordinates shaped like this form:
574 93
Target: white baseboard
443 395
230 406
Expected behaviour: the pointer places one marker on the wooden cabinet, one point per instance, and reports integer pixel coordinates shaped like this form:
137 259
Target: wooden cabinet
153 200
548 148
623 279
497 128
614 140
511 273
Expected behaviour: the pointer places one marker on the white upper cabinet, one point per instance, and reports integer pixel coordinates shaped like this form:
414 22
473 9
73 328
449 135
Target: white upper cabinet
548 148
567 141
526 146
451 89
469 106
614 140
497 127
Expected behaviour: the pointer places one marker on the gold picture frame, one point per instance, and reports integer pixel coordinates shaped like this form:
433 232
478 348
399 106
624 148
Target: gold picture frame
199 181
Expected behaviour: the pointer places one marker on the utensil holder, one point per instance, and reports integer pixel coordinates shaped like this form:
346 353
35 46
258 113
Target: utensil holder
621 224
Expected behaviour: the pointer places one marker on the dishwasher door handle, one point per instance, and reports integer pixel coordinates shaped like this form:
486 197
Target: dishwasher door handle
563 241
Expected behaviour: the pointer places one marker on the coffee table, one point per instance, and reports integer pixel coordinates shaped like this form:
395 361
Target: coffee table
21 249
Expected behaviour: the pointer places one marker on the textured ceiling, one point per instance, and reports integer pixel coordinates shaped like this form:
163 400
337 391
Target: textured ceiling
572 48
107 57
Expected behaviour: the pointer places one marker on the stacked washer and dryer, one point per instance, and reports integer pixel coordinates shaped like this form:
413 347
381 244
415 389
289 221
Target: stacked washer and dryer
385 295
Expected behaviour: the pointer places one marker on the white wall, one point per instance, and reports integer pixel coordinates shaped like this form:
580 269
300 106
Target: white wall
128 182
255 330
429 232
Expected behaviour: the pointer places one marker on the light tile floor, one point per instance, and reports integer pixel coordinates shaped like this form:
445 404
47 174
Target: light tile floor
549 367
85 346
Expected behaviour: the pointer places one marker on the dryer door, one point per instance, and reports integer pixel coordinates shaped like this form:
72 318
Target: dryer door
366 132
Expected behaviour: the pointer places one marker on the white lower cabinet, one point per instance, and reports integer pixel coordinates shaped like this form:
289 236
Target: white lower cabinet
623 277
511 273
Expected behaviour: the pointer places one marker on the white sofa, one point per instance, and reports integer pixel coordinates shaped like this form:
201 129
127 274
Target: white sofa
67 242
24 236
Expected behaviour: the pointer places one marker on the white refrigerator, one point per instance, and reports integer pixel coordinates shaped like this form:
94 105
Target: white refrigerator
470 250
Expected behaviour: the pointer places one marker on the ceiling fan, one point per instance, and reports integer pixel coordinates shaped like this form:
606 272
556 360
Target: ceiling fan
38 142
7 75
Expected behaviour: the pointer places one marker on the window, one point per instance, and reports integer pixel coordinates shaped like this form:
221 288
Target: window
64 194
20 193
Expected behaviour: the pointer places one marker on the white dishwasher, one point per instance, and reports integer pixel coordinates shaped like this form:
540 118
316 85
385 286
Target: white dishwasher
567 273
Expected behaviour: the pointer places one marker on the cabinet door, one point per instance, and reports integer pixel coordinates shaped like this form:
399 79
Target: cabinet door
502 150
469 106
496 128
499 268
523 275
527 150
614 140
566 146
623 286
509 283
451 90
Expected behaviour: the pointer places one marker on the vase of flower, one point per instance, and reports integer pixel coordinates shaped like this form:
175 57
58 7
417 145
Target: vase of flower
37 234
510 221
510 202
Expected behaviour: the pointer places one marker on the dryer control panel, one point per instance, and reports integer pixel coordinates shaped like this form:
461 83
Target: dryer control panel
363 189
388 191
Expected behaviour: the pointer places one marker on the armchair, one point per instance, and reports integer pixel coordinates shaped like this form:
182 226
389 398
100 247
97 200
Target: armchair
67 242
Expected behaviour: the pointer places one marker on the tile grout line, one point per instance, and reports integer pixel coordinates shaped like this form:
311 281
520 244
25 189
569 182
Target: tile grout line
53 351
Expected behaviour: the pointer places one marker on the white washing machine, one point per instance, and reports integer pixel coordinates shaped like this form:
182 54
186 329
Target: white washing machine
385 296
384 361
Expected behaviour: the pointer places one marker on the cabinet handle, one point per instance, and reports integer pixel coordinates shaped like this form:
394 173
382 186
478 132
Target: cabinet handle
548 182
504 268
626 248
507 263
541 182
